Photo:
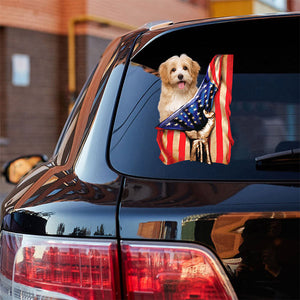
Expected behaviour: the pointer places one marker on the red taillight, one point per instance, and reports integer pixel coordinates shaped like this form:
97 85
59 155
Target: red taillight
10 244
81 269
173 271
34 267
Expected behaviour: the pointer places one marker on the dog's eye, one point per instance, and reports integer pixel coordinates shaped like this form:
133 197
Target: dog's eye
185 68
173 70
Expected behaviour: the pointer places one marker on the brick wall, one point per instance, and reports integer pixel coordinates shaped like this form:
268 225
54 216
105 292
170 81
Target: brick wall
52 16
34 14
2 91
137 12
32 116
32 112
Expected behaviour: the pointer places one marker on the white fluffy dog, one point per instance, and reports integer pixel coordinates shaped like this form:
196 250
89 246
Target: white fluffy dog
179 83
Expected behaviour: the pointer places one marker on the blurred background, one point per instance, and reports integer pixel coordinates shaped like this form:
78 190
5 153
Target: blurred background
49 47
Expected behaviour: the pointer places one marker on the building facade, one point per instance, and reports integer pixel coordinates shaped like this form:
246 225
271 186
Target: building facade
223 8
34 69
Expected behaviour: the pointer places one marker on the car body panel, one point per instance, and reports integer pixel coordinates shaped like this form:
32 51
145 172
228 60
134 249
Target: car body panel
67 206
250 226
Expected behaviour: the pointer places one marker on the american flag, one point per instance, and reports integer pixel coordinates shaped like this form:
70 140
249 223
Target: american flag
190 116
214 94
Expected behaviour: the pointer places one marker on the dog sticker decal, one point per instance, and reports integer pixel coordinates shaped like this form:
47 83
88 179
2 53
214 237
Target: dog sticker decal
197 127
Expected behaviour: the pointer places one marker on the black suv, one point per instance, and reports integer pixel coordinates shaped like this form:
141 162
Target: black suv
201 205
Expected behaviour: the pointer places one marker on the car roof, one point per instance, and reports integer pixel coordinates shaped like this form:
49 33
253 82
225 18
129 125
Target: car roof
159 37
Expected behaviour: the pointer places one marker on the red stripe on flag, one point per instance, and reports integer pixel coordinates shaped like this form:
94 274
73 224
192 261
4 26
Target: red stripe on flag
182 140
229 76
170 153
170 136
159 138
219 130
213 69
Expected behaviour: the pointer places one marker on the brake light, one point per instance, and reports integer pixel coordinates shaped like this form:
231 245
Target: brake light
35 267
176 271
57 268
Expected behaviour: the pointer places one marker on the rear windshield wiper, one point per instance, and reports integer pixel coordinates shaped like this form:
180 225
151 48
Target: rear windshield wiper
287 160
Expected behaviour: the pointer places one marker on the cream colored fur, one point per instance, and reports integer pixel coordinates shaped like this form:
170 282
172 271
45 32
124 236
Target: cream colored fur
179 83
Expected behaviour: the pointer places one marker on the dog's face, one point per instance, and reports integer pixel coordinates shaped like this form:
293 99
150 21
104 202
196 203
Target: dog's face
179 72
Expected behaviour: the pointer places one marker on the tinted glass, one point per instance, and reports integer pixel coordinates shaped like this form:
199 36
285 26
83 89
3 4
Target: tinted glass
263 112
65 141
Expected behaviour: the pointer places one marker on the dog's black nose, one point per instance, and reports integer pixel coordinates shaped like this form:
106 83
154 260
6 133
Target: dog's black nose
180 76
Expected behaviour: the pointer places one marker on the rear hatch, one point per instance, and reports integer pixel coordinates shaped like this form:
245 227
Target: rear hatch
244 207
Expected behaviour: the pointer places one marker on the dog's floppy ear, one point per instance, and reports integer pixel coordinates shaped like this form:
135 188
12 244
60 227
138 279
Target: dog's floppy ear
163 72
195 69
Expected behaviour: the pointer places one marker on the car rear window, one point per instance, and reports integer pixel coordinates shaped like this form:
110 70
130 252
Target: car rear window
253 98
